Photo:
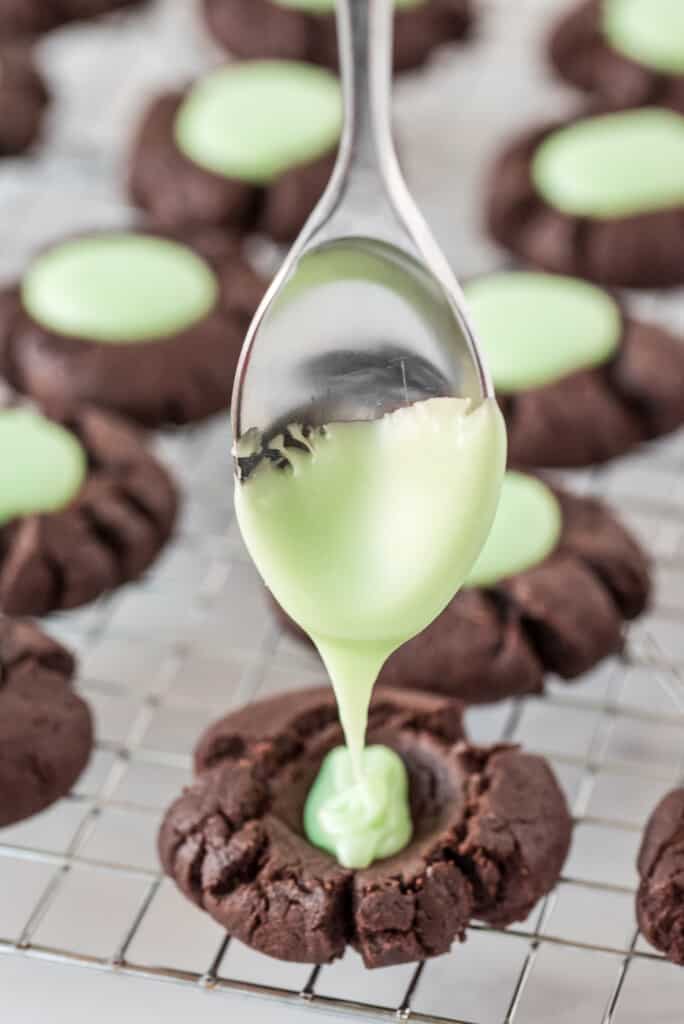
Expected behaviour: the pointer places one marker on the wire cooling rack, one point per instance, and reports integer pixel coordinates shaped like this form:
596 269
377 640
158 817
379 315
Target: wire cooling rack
80 884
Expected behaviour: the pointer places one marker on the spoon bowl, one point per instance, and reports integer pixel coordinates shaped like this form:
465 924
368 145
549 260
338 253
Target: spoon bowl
365 314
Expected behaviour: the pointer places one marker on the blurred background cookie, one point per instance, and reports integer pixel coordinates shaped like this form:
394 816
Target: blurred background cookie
32 17
23 99
578 380
250 146
306 30
629 53
624 226
84 507
149 325
46 731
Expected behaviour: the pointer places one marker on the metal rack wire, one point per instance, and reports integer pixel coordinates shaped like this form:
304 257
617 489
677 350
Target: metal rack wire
80 883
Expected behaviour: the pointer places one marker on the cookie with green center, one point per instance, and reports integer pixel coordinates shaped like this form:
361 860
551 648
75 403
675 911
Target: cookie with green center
23 99
624 226
491 831
46 730
32 17
84 507
146 324
250 146
578 381
628 53
550 597
306 30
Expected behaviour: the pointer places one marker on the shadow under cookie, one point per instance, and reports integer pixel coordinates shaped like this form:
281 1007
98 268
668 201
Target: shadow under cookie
33 17
85 509
628 58
561 611
491 832
660 899
46 731
146 324
577 379
302 30
250 146
23 99
622 227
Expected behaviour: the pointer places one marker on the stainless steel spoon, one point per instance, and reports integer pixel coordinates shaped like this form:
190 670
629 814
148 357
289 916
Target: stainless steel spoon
365 314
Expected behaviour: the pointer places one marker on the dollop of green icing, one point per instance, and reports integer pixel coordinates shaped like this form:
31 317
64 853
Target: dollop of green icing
328 6
44 465
614 165
650 32
359 822
119 287
526 529
257 119
537 328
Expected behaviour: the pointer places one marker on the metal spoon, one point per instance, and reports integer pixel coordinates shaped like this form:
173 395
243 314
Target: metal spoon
365 314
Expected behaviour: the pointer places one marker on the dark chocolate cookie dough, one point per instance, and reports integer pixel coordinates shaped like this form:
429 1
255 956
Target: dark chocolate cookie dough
562 615
265 28
660 899
491 832
46 732
642 249
109 531
23 99
276 165
32 17
176 369
582 53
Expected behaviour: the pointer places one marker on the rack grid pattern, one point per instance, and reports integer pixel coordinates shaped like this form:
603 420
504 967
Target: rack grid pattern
159 659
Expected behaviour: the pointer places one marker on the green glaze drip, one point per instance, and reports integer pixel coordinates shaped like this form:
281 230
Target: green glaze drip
650 32
45 465
359 823
614 165
337 537
328 6
256 120
119 288
537 328
526 529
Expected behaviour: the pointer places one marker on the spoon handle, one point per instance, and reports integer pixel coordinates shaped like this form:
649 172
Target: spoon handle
365 32
359 191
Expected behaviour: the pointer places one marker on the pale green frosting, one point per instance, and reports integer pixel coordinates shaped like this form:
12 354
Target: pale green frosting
328 6
44 465
334 537
537 328
650 32
614 165
526 529
256 120
119 287
359 823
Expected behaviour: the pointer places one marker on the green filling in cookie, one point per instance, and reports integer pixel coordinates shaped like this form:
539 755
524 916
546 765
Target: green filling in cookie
120 288
537 328
254 121
44 465
614 165
526 529
650 32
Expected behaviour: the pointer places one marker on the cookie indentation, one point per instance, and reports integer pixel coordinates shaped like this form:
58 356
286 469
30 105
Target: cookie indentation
491 831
